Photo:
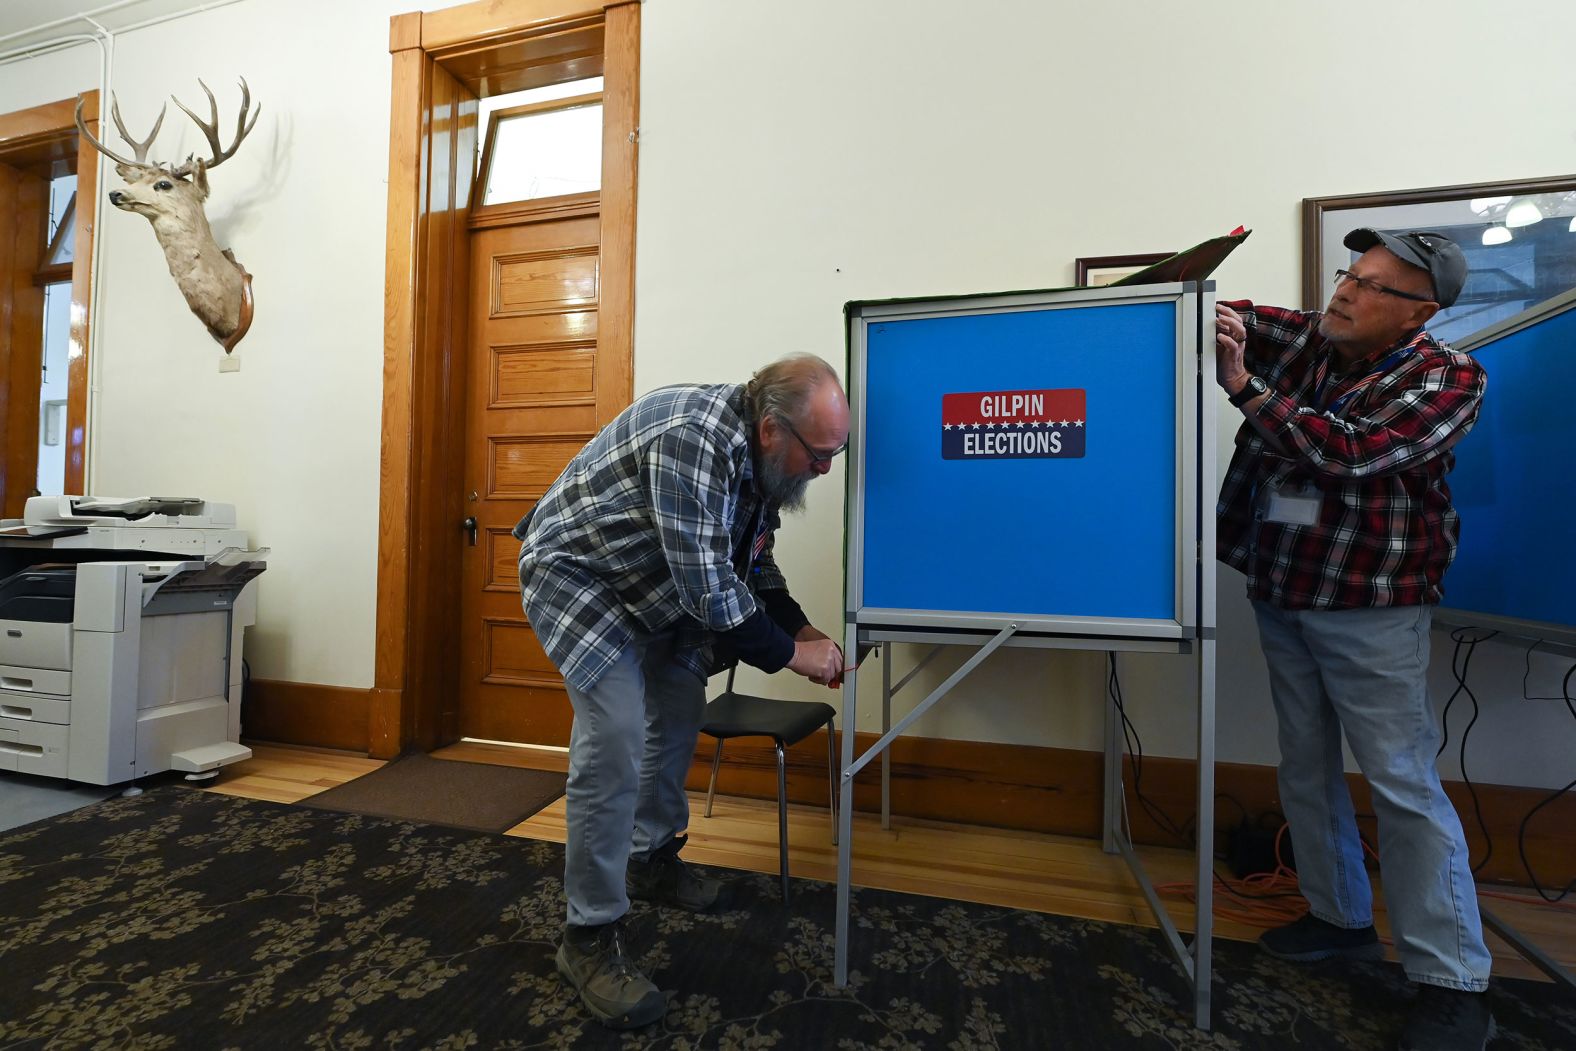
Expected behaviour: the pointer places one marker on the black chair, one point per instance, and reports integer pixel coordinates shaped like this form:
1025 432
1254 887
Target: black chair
786 723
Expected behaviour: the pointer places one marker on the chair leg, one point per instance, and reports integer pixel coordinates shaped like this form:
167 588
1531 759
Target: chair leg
831 776
711 789
782 815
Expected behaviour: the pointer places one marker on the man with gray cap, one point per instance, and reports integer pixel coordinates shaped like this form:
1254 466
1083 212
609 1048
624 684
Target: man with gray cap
1336 508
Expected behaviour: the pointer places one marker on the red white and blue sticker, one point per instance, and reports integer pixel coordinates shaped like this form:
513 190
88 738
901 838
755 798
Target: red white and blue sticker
1013 425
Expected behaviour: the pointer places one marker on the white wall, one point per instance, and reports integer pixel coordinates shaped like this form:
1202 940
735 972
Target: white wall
796 156
293 438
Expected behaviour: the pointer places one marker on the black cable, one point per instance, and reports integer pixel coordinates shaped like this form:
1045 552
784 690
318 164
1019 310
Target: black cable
1526 674
1521 833
1136 748
1459 666
1460 673
1521 847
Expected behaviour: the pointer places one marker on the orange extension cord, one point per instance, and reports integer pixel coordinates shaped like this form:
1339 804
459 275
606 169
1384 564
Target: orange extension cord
1271 899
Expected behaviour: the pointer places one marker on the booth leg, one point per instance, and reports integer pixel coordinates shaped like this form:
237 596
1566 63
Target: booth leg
845 814
1204 848
886 724
1111 818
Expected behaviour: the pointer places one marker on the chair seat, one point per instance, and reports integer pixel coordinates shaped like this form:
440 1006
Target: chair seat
741 715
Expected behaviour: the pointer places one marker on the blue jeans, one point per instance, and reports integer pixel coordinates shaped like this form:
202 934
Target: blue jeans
1365 671
629 751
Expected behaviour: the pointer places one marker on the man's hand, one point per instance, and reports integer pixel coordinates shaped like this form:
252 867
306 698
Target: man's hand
1231 339
809 633
818 660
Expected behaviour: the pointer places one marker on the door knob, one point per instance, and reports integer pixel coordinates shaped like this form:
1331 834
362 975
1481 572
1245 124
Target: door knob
470 527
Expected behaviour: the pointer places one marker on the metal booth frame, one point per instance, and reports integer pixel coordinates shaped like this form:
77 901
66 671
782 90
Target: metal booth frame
1190 632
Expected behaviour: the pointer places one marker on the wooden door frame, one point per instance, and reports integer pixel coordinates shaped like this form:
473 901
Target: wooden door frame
485 42
28 137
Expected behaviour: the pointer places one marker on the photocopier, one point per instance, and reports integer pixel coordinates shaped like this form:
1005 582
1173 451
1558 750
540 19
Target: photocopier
120 637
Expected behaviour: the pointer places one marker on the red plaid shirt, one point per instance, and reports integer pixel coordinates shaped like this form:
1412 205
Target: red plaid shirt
1375 444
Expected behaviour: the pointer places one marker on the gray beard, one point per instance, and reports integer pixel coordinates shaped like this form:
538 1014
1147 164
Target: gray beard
779 487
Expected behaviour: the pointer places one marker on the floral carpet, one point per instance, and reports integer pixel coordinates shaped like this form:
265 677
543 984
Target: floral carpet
186 919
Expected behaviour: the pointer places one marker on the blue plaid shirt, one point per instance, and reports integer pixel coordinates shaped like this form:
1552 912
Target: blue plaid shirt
652 527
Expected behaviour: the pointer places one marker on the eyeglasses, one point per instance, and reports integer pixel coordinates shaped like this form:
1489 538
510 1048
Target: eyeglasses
817 458
1343 276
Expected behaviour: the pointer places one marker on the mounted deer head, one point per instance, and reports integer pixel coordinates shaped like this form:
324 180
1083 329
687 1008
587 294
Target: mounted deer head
216 287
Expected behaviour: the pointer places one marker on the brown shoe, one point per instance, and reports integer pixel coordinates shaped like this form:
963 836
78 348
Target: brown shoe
666 880
610 985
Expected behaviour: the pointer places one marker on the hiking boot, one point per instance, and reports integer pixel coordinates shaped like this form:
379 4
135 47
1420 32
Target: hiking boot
612 988
666 880
1310 939
1447 1020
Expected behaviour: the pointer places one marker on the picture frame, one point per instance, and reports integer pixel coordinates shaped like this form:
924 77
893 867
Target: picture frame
1093 271
1515 259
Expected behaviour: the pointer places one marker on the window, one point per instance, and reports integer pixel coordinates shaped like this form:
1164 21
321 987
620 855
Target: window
546 142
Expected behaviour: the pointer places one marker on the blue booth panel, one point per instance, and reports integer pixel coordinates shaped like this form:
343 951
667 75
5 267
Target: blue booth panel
1022 462
1514 484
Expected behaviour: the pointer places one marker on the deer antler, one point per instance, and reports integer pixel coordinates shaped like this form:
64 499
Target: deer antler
139 147
210 128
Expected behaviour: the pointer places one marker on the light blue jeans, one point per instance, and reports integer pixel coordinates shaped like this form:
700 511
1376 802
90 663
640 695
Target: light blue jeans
630 749
1365 670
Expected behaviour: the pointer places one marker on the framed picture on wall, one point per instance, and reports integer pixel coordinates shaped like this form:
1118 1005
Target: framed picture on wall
1093 271
1519 239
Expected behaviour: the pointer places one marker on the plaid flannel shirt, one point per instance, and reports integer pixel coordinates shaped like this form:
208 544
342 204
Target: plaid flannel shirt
652 527
1375 445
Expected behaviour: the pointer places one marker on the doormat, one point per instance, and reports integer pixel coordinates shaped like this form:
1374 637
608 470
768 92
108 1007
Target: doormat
417 787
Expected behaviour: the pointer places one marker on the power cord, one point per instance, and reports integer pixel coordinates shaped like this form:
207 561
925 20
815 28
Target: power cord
1521 832
1459 666
1135 748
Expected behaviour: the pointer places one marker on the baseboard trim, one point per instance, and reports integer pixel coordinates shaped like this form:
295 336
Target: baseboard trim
1058 791
306 713
1034 789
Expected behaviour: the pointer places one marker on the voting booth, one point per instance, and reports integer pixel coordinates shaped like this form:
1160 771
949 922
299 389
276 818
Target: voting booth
1513 572
1034 469
1512 483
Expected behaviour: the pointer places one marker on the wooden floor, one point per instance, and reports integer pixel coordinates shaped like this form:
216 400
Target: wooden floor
1024 870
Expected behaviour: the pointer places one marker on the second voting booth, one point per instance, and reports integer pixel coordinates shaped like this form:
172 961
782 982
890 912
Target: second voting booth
1036 469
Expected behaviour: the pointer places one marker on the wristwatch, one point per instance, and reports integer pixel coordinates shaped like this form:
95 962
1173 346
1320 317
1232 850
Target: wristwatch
1250 390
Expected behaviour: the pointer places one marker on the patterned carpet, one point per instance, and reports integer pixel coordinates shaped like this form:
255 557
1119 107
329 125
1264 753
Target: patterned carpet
184 919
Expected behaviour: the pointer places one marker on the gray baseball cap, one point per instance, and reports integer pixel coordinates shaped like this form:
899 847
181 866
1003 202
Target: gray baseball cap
1424 249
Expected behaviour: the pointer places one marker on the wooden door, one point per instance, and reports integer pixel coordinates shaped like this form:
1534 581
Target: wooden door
534 371
37 145
24 218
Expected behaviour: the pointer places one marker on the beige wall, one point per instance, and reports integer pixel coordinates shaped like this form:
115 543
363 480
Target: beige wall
794 156
292 440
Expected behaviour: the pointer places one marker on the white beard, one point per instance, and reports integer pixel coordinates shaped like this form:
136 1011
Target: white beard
779 487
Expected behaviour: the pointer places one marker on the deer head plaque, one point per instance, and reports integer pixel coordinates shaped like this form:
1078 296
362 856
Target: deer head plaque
217 288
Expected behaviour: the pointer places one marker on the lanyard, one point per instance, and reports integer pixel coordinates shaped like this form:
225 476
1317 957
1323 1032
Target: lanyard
1390 362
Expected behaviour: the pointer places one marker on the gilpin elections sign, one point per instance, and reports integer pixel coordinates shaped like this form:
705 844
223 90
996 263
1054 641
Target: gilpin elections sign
1012 425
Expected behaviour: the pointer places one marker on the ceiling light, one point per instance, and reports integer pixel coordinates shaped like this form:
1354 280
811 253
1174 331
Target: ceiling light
1523 213
1496 235
1572 227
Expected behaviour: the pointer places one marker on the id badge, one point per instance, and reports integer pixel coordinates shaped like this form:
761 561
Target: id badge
1300 507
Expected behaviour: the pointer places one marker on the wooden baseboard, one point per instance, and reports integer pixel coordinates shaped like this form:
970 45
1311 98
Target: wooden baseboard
306 713
1055 790
1058 790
